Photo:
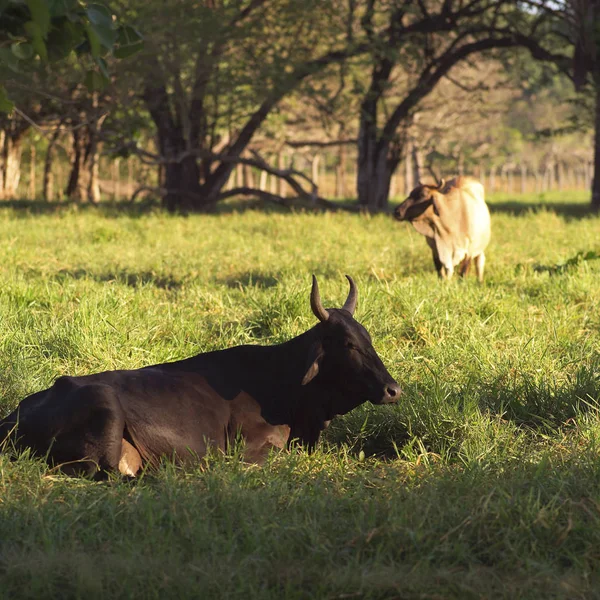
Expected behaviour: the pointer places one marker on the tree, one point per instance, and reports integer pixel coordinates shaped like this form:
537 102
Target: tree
572 43
35 32
211 91
584 19
426 41
33 35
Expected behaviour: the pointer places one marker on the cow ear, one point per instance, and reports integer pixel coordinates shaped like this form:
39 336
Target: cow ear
315 356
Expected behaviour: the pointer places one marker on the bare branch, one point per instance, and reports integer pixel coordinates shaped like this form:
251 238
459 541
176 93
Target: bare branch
317 144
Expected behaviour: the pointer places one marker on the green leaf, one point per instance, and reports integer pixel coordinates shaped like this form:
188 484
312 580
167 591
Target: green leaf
37 39
95 81
22 51
61 8
98 14
8 59
6 104
129 42
94 40
106 35
40 14
63 39
126 51
103 68
129 35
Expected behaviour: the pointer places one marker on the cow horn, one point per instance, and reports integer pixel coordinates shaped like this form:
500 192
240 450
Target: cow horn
442 183
350 304
315 302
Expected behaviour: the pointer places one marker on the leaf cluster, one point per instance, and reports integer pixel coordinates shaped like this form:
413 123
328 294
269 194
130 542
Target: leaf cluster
36 32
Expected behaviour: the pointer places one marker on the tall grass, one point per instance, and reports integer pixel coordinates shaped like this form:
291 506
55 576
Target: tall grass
484 481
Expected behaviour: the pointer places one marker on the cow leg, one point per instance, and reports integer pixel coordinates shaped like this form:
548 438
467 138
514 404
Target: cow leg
90 440
130 461
79 429
464 266
259 438
479 266
439 267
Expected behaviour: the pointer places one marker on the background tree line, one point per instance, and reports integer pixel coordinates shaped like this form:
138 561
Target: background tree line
289 101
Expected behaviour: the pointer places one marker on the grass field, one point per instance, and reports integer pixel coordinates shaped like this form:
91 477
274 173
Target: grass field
483 482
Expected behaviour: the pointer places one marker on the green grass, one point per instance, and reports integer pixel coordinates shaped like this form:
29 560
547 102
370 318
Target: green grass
484 481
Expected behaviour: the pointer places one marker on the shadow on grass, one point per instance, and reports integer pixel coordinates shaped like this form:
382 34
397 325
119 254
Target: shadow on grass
112 209
25 208
250 279
567 210
442 417
541 402
164 282
574 261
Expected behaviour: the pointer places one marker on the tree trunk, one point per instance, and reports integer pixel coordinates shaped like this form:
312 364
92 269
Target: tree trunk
130 176
314 169
59 178
75 191
181 172
92 163
409 180
374 171
374 180
48 164
340 173
50 187
116 175
83 179
182 180
418 162
376 162
31 193
596 175
11 165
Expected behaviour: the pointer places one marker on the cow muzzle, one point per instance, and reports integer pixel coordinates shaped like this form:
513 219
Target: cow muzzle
400 212
391 393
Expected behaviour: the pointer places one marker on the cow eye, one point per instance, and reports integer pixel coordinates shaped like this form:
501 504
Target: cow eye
350 346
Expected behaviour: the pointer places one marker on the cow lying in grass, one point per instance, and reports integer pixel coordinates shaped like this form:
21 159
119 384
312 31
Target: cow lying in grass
268 395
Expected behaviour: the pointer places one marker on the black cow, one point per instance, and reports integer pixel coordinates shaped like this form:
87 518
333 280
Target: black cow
268 395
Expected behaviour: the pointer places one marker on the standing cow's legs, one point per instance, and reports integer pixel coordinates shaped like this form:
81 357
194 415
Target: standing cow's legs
439 267
464 266
479 265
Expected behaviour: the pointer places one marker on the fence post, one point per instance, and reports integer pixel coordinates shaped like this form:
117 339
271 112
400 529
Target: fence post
523 178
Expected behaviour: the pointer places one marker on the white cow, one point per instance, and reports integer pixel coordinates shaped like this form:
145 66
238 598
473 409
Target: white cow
455 220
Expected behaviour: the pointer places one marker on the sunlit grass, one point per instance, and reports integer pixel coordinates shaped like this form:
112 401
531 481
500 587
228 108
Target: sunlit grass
482 482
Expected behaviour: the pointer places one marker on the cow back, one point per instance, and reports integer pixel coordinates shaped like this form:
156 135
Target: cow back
464 214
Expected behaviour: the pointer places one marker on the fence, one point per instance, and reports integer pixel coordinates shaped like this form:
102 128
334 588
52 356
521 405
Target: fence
119 178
